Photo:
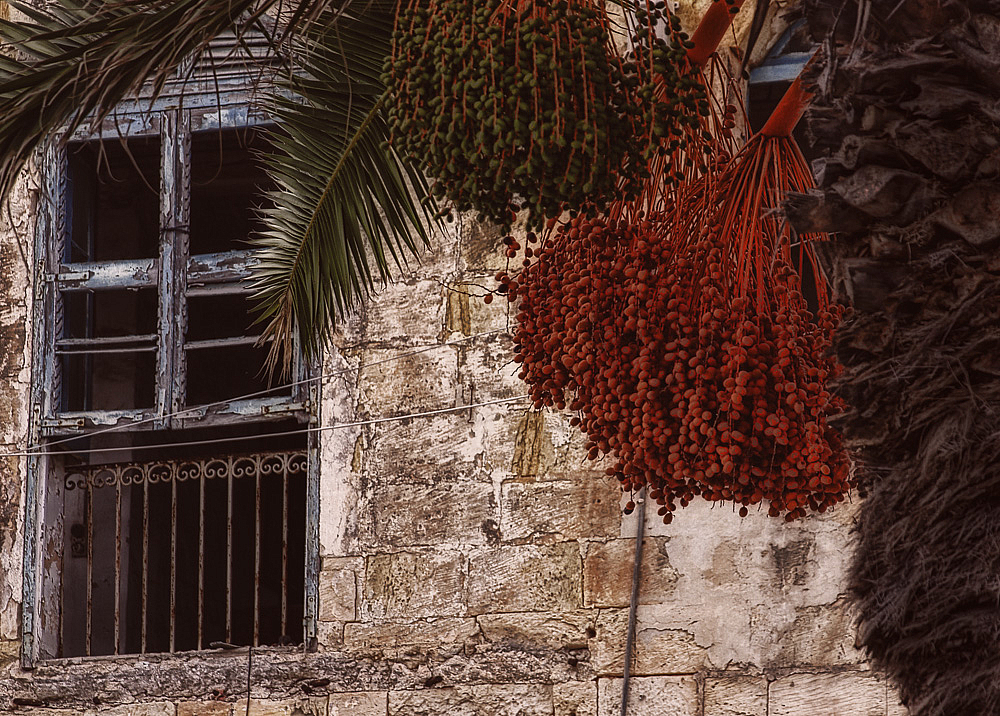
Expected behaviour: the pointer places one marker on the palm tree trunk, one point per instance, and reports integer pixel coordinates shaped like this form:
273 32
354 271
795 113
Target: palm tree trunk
906 119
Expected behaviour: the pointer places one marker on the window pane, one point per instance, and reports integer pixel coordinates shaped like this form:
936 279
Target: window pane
223 316
113 200
104 314
224 373
227 180
109 381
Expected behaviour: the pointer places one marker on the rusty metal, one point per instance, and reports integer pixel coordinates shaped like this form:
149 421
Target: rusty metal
256 562
284 553
145 563
90 566
229 558
201 559
173 564
118 565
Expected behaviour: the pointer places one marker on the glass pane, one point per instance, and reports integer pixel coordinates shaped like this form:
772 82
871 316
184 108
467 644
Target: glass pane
113 205
123 380
227 181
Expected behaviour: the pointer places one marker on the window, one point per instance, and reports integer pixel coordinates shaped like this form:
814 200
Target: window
172 501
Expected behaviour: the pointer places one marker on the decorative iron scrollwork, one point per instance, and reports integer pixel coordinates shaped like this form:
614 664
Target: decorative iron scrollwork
138 473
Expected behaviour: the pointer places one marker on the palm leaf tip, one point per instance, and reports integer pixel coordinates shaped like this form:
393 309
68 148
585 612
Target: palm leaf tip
348 210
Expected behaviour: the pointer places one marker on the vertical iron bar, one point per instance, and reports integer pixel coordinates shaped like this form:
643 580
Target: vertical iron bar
284 547
173 560
118 561
256 561
229 556
145 560
90 565
201 556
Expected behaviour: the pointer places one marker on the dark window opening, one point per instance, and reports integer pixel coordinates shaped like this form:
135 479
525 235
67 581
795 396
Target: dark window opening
114 201
228 182
184 548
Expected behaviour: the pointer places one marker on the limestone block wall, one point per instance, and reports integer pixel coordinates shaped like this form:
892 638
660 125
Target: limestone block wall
473 563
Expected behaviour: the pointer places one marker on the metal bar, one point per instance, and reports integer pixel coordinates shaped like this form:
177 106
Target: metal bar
118 562
173 563
634 601
201 557
229 555
145 562
284 549
90 566
256 561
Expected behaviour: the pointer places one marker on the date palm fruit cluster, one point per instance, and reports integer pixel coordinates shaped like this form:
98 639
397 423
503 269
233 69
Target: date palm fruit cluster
525 104
691 387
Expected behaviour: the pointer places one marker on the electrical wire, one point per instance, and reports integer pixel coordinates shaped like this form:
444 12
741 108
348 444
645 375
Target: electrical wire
276 433
199 408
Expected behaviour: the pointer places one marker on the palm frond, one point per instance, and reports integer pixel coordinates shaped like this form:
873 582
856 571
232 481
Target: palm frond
77 59
347 208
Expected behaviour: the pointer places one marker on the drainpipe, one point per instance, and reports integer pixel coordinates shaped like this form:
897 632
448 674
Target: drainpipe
634 601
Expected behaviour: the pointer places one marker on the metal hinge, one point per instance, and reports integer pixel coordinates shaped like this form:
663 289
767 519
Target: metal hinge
63 423
67 276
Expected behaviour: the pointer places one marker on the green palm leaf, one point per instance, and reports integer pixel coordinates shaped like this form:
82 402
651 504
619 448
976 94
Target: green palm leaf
77 59
347 207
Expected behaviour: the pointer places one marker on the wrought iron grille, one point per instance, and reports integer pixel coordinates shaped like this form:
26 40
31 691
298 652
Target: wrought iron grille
181 553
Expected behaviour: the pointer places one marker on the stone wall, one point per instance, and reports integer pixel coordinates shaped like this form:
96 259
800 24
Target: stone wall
474 563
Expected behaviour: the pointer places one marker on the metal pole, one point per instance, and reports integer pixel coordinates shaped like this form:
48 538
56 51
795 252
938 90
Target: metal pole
634 601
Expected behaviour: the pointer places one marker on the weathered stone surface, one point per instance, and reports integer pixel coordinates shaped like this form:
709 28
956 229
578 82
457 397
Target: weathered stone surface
486 370
338 589
408 383
560 510
160 708
269 708
481 245
524 578
443 513
554 630
804 694
736 696
821 635
487 700
575 698
443 631
423 451
657 650
310 706
360 703
413 585
608 567
406 312
674 695
204 708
